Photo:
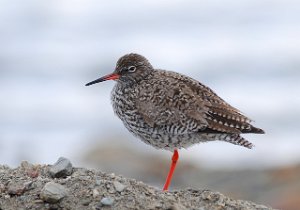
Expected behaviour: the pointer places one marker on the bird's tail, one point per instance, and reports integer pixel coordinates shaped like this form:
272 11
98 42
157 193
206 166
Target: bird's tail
237 140
252 129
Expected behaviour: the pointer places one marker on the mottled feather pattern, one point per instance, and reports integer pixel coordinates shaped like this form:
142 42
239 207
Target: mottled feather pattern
168 110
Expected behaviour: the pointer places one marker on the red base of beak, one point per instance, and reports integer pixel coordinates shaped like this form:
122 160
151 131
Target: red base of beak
107 77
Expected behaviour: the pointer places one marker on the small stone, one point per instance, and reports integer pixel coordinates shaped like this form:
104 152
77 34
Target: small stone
107 201
38 184
2 188
111 190
53 192
28 185
53 207
33 173
16 189
86 201
176 207
31 170
119 186
98 182
131 202
38 201
62 168
95 193
207 195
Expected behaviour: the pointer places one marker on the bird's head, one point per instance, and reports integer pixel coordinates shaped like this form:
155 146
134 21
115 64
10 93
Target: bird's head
130 69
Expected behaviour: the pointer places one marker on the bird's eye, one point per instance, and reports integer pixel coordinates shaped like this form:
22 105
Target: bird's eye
131 68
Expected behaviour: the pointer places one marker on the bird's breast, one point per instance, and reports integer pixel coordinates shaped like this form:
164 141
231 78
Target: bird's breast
123 102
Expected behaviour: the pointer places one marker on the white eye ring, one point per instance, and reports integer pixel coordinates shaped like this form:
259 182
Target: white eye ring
131 68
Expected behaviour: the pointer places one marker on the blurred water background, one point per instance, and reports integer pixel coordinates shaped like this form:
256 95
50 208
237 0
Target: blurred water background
247 51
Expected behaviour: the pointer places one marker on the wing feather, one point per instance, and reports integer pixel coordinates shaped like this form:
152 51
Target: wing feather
175 101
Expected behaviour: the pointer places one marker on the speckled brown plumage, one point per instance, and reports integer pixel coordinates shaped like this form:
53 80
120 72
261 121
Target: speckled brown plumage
169 110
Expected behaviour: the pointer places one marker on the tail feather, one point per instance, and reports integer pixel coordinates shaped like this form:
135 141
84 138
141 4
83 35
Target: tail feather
224 122
253 129
238 140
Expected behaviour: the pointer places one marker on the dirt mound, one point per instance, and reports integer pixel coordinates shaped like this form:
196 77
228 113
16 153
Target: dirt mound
63 187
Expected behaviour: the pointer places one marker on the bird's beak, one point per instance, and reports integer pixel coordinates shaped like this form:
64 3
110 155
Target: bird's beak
112 76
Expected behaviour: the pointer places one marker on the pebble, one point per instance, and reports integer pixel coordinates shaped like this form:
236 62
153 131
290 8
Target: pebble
33 173
31 170
53 192
16 188
2 188
28 185
119 186
177 207
86 201
62 168
95 193
107 201
98 182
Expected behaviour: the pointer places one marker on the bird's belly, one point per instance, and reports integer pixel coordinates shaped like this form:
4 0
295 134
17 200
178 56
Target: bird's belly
155 136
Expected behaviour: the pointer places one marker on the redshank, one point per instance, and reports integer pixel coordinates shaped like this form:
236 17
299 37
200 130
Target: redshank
170 111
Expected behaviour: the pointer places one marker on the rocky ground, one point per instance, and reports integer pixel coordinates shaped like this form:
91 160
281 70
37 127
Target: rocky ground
278 186
61 186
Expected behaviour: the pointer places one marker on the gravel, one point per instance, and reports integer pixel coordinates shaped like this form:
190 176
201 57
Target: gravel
32 187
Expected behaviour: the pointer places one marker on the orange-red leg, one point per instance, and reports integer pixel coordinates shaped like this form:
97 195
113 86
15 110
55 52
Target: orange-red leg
172 169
